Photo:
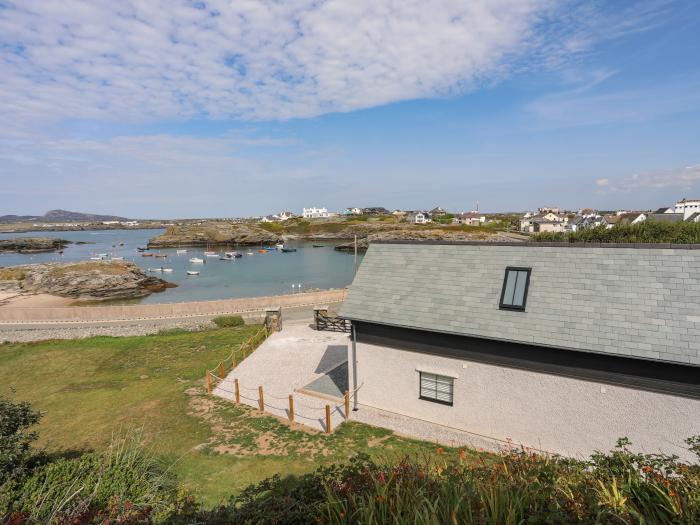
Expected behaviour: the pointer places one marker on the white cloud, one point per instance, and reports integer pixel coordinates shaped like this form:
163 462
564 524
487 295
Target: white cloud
678 178
263 59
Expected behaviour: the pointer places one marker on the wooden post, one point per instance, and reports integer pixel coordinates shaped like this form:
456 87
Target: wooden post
233 359
347 405
261 399
328 419
222 368
291 407
208 382
238 391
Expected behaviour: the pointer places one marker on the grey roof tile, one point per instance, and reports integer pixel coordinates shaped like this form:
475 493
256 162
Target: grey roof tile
637 302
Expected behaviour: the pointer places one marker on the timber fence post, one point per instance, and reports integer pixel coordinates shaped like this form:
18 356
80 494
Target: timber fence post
222 368
291 407
347 405
208 382
328 419
237 390
261 401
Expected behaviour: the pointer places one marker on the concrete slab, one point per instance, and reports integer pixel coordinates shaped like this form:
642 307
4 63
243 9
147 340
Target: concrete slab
283 364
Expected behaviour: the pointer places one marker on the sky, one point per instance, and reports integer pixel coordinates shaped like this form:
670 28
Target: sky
222 108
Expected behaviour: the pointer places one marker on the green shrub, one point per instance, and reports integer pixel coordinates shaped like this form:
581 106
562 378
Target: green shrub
15 438
126 484
228 321
649 231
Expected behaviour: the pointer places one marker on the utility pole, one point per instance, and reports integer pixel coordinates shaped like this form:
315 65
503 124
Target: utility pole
355 253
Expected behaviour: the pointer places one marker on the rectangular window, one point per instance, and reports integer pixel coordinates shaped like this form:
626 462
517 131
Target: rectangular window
436 388
515 285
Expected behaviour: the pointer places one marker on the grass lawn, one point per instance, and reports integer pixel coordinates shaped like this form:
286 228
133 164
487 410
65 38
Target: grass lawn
90 388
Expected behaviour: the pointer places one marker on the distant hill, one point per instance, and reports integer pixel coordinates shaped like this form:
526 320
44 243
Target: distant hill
61 216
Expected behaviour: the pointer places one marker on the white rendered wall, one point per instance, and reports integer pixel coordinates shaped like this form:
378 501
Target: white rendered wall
552 413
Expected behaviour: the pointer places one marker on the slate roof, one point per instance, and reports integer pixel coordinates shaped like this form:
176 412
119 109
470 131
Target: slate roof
639 301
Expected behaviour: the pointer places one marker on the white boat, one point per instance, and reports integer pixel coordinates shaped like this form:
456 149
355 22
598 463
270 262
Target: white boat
192 272
249 253
180 252
155 269
95 258
101 255
168 270
279 245
117 258
211 254
196 260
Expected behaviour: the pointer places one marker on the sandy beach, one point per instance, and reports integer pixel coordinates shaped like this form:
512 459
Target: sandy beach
40 300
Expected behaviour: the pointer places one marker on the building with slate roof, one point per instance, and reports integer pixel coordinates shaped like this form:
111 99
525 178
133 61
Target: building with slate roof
564 348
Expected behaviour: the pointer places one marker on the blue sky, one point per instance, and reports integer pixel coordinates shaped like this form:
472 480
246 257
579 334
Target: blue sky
218 108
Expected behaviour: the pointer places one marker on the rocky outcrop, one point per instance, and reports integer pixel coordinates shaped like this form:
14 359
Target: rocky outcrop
426 234
87 281
31 244
213 233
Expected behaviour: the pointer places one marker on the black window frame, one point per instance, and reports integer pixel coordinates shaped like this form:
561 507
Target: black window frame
432 399
516 308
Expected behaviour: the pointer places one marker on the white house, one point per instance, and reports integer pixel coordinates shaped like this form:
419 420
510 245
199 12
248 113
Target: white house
687 207
315 213
418 217
560 348
469 218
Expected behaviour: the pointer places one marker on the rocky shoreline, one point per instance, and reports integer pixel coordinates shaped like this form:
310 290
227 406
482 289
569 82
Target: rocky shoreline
86 281
214 233
32 244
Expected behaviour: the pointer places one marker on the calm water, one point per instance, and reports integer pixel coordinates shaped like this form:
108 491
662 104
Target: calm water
271 273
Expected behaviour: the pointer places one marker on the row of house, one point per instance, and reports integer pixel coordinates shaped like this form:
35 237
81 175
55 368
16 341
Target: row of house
551 219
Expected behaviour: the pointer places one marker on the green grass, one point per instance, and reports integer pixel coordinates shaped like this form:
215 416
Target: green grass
90 388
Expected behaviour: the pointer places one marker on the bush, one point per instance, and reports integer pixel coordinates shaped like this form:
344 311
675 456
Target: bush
648 231
228 321
125 484
15 437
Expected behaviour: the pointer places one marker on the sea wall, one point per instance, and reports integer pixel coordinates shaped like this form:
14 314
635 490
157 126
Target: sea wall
160 311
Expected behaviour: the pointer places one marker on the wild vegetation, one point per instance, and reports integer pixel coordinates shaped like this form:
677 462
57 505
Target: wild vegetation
644 232
228 321
127 483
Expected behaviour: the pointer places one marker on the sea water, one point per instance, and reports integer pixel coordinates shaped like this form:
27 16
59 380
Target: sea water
270 273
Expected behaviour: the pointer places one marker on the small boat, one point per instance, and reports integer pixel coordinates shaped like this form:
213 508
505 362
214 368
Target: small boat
146 255
117 258
180 252
234 254
192 272
318 245
288 250
262 251
101 255
196 260
121 244
141 248
227 258
279 245
161 255
249 253
95 258
155 269
168 270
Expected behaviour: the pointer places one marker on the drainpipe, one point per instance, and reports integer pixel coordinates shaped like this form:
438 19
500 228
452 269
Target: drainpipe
354 366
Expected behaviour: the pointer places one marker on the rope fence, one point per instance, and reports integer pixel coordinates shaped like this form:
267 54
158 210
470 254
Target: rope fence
290 409
239 354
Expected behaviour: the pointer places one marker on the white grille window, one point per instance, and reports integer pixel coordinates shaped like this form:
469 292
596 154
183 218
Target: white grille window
436 388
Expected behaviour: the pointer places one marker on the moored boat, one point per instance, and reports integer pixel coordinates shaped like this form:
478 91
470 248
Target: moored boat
168 270
249 252
192 272
146 255
196 260
288 250
279 245
180 251
160 255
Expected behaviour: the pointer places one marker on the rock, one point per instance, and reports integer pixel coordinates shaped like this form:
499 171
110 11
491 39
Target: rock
89 281
422 234
31 244
213 233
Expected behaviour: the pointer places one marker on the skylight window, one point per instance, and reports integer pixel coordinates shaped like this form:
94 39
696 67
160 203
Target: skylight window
515 285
